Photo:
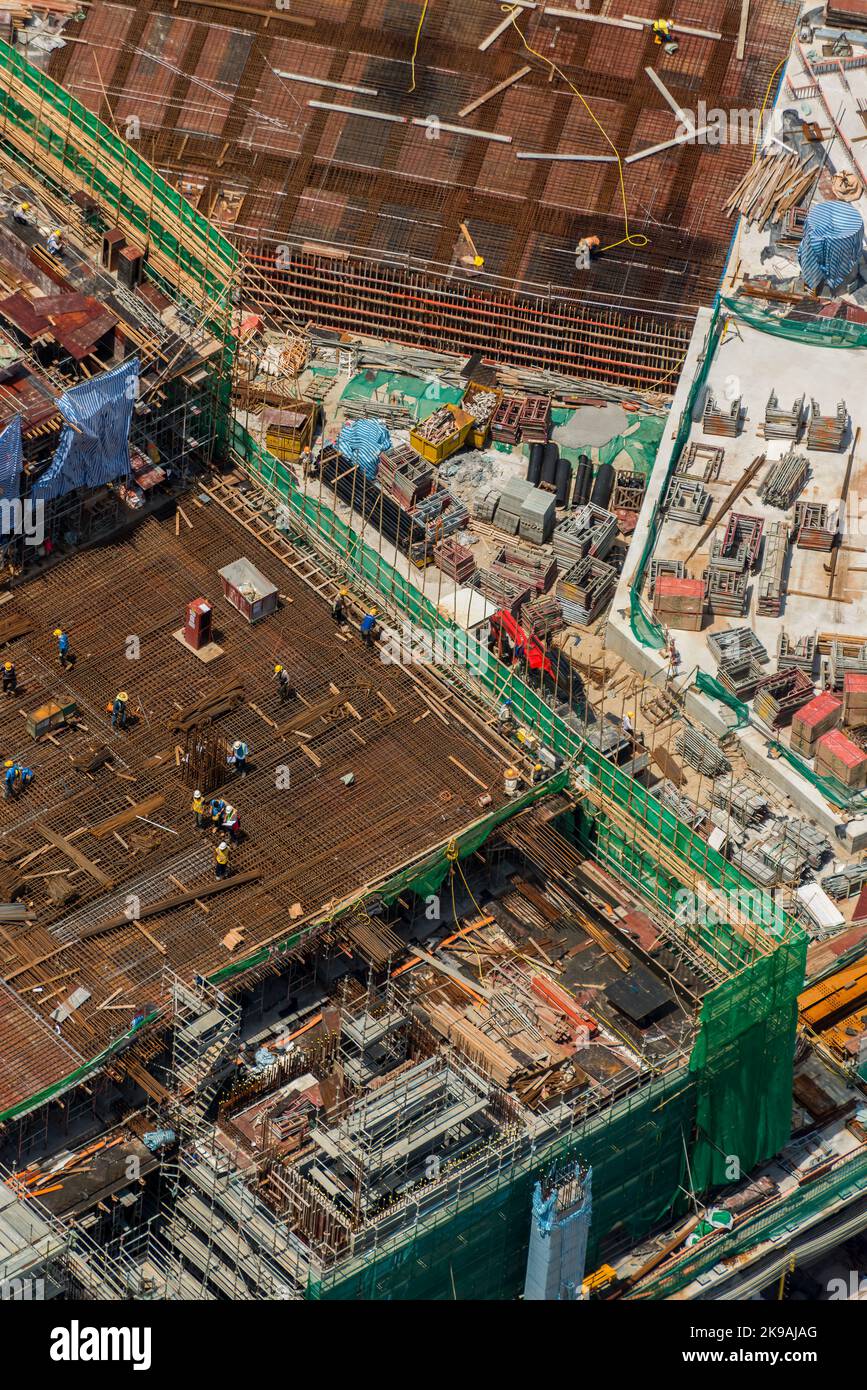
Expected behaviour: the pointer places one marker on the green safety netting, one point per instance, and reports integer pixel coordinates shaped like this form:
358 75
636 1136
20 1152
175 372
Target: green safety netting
640 443
708 685
815 332
425 396
833 790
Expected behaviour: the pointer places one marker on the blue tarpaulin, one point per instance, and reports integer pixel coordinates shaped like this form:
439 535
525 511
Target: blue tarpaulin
831 246
11 459
361 442
94 444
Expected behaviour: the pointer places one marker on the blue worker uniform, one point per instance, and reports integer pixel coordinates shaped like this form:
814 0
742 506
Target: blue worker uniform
9 787
25 777
63 648
217 810
368 623
241 754
118 714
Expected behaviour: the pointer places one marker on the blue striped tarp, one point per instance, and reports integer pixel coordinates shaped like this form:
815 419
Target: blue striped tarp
832 243
97 449
361 442
11 458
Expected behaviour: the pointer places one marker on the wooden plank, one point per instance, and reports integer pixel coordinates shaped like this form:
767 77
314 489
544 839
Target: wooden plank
495 91
742 30
74 854
122 818
168 904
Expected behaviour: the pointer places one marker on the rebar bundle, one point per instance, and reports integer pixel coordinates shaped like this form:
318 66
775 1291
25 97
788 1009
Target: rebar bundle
784 480
701 752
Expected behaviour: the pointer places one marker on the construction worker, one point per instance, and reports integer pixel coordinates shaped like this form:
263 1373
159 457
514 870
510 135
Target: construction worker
284 685
64 655
10 679
232 822
587 248
10 780
504 714
221 860
240 754
663 33
118 710
627 724
199 809
24 777
23 214
368 628
216 809
338 608
538 773
55 242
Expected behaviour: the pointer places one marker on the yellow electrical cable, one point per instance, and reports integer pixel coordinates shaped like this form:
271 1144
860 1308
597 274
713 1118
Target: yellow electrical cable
764 104
631 239
415 47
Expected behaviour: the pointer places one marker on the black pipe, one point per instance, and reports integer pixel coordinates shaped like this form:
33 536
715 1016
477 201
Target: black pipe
583 482
562 479
549 463
534 467
603 486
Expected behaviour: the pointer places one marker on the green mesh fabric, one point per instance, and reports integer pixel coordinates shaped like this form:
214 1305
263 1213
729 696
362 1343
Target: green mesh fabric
816 332
834 791
708 685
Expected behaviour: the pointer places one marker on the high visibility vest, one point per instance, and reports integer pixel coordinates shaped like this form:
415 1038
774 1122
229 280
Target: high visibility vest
198 804
222 856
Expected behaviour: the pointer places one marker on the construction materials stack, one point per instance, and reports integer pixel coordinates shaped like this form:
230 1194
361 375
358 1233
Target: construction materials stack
506 421
525 569
543 616
827 432
538 515
591 531
702 753
511 501
855 700
784 480
718 421
780 696
837 756
812 721
455 560
679 603
769 601
783 424
585 589
534 421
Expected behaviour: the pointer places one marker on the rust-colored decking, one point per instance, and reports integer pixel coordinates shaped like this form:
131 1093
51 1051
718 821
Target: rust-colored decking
32 1056
211 94
418 776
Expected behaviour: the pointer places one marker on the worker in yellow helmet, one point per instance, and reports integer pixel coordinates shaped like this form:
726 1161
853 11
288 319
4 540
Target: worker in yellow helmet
64 655
118 710
23 214
10 780
627 724
663 33
10 679
55 242
368 627
221 860
338 607
199 809
284 685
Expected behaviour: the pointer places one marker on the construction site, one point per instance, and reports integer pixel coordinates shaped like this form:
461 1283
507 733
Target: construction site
435 772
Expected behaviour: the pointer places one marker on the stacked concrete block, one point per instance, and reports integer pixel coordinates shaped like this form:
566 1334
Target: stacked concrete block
812 721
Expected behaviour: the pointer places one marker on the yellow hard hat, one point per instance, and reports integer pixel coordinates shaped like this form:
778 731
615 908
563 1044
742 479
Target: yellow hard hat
122 695
7 666
374 612
344 591
277 670
58 231
25 207
630 714
58 632
8 763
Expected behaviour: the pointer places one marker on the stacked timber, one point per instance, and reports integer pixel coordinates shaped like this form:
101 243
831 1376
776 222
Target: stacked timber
837 756
814 720
855 699
772 185
679 603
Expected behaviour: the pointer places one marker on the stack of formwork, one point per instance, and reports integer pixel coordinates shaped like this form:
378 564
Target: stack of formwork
780 696
811 526
736 642
717 421
511 501
667 794
501 592
585 589
784 480
524 569
687 501
792 849
591 531
837 756
742 532
505 421
679 603
848 655
827 432
740 676
747 807
543 616
783 424
660 566
534 420
812 721
769 602
855 699
726 592
538 515
455 560
708 458
846 881
405 475
701 752
801 653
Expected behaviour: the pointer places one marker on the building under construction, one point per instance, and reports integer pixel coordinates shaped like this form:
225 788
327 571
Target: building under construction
329 971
